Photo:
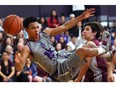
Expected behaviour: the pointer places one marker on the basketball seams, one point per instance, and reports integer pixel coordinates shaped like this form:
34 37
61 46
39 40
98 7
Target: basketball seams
11 24
17 26
5 23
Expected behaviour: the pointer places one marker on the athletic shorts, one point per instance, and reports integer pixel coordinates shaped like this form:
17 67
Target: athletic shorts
68 68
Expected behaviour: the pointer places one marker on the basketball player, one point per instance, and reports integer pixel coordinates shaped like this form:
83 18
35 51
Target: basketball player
44 54
96 69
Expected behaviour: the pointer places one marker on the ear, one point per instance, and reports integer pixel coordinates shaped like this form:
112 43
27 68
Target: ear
94 33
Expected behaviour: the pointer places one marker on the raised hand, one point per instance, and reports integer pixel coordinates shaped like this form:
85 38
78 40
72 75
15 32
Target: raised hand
88 13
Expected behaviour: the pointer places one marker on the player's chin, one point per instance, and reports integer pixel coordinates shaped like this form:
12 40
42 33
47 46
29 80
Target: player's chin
84 36
36 36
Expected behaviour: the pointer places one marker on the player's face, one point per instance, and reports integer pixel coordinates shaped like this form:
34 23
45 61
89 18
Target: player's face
33 30
87 33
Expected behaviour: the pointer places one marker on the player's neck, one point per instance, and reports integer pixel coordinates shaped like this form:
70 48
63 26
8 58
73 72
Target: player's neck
34 39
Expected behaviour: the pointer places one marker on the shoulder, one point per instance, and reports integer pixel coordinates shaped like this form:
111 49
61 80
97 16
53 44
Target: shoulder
91 43
48 31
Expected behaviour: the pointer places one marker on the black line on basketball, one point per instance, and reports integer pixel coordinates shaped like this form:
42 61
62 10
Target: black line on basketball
11 24
17 26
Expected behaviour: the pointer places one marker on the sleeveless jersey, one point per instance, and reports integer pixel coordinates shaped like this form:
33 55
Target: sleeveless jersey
44 54
98 68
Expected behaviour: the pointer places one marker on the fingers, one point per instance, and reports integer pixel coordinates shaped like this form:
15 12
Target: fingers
91 9
92 15
16 54
111 79
17 59
18 65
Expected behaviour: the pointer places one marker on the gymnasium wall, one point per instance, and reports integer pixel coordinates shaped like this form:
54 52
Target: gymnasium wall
34 10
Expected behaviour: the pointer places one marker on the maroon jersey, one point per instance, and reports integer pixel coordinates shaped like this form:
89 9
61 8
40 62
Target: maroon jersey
100 67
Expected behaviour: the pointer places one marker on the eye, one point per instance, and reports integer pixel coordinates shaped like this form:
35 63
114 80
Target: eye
37 26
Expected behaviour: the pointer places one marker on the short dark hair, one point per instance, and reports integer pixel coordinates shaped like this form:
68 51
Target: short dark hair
28 20
96 27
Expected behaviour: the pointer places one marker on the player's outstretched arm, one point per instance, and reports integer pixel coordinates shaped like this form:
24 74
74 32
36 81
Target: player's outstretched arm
69 24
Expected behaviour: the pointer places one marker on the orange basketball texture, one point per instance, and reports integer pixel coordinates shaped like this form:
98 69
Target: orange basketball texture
12 24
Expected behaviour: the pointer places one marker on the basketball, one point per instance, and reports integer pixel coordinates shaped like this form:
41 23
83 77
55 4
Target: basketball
12 24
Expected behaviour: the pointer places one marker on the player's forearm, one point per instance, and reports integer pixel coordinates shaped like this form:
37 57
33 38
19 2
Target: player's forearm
82 72
21 63
68 25
18 66
111 67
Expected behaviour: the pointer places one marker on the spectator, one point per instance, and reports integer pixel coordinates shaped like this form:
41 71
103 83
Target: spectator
7 41
58 47
73 31
9 49
57 37
68 36
31 70
62 19
72 43
52 38
1 43
43 22
53 20
7 69
62 41
80 41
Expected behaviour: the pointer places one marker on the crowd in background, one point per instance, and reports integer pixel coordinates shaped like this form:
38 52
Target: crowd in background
10 45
